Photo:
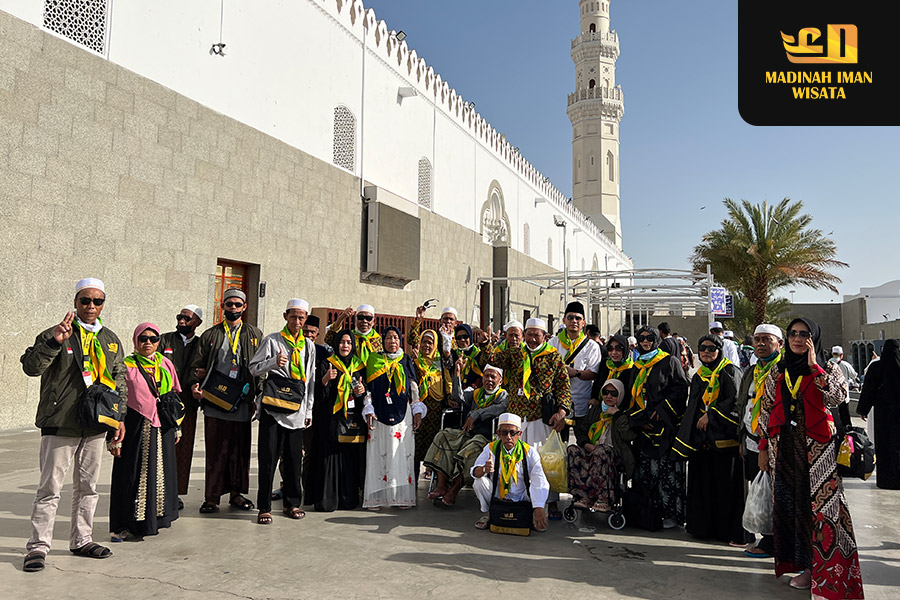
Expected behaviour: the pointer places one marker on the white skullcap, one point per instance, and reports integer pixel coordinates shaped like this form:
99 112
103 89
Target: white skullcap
493 368
298 303
195 309
632 340
89 282
770 329
837 350
536 323
510 419
450 310
716 325
516 324
366 308
728 333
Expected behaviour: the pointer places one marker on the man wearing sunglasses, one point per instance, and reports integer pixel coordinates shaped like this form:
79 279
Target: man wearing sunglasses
73 355
179 346
367 339
514 455
227 348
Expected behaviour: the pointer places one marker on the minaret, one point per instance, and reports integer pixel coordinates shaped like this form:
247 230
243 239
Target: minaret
596 109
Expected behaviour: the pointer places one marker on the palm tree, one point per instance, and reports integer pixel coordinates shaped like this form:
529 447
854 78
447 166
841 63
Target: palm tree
761 248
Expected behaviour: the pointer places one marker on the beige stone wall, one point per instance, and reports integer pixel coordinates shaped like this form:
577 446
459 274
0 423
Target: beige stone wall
104 173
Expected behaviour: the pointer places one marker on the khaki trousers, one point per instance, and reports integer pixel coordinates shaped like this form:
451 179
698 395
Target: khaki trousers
58 454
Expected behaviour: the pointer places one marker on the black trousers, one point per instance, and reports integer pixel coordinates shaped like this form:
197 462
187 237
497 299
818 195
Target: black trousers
276 441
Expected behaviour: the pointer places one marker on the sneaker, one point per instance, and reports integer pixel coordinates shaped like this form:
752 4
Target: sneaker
669 524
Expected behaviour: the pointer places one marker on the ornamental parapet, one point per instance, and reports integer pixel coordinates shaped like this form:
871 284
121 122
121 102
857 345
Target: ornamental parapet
595 43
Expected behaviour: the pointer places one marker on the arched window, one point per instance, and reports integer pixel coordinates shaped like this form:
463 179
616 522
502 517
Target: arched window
593 27
526 239
611 164
344 138
424 182
550 251
592 84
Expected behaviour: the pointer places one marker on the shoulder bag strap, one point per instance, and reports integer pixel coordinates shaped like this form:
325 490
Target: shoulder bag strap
581 346
150 382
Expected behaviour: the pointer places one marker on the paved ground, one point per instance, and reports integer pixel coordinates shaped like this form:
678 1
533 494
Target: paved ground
420 553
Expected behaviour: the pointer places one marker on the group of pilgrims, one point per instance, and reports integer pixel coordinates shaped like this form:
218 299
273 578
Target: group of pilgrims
360 419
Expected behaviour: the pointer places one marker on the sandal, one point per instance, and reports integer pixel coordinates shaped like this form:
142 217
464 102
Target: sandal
264 518
294 512
583 503
92 550
760 553
483 523
601 507
208 507
241 503
34 561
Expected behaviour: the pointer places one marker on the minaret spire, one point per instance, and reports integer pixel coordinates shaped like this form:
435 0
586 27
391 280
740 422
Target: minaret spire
595 110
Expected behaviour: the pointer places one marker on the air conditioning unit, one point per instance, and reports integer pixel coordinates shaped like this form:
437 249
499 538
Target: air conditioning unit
393 239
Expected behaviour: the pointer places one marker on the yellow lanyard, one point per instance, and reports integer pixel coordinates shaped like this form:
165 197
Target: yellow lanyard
793 388
233 342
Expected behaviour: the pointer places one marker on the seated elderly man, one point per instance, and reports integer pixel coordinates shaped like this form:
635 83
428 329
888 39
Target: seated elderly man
453 451
517 463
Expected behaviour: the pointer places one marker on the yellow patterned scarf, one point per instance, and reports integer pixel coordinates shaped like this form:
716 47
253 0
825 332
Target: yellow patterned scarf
713 385
153 367
298 370
543 350
760 373
508 462
599 428
379 364
637 389
569 346
344 383
94 360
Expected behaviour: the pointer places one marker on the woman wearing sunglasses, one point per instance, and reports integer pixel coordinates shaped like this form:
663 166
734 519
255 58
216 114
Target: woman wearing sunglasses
601 449
813 530
144 492
619 365
709 437
658 397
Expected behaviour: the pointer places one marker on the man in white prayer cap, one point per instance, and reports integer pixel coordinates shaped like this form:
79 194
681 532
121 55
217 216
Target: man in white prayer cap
502 469
367 339
729 348
288 361
453 451
78 353
767 344
179 346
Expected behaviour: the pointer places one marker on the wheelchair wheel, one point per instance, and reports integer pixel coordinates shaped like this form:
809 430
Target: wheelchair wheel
617 520
570 514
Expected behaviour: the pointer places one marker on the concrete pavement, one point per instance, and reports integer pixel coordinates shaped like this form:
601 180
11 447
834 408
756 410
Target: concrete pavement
420 553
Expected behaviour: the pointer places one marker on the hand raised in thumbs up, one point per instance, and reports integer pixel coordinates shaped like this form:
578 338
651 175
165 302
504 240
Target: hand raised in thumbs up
282 359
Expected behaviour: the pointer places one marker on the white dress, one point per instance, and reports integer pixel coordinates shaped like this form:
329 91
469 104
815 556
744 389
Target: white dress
390 453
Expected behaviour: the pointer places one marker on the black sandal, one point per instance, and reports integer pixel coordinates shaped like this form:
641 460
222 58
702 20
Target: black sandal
92 550
243 505
34 561
208 507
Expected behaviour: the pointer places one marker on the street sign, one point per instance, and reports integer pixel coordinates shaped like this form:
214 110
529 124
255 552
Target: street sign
717 300
729 308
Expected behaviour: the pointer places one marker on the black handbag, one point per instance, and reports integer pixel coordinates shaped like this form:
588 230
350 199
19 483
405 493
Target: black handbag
98 409
169 406
856 454
223 392
548 407
512 518
283 394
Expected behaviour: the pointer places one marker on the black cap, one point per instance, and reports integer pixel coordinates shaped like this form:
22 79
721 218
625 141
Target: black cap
575 307
312 320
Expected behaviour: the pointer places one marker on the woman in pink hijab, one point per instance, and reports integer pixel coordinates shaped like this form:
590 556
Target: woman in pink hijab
144 490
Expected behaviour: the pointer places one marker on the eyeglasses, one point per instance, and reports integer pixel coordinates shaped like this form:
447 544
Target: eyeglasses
611 393
574 318
799 333
181 317
646 338
461 337
365 317
707 348
508 432
96 301
233 304
615 348
148 338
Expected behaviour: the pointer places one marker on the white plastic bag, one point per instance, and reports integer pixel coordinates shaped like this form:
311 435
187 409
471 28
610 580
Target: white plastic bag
553 461
759 506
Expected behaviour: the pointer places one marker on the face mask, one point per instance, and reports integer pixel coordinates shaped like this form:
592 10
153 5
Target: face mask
233 315
605 406
184 329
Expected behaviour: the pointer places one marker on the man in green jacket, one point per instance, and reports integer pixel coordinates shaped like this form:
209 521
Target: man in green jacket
68 358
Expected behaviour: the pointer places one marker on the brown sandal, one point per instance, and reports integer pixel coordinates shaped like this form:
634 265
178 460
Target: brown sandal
294 512
264 518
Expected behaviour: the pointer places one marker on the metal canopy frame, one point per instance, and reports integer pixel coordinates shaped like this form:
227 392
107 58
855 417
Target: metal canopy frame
639 292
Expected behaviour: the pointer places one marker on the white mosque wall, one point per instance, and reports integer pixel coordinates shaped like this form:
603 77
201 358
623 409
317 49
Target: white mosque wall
289 63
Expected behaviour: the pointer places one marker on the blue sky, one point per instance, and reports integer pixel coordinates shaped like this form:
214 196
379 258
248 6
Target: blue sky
683 143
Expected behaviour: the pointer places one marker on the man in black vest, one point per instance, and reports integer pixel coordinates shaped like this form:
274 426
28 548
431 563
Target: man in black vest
179 347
